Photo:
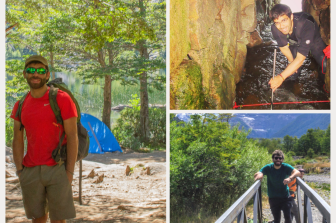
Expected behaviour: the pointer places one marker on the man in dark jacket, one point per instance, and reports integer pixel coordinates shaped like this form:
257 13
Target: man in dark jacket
297 34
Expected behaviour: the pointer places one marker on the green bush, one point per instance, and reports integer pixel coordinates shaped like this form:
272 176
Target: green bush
310 153
127 129
300 162
290 154
9 128
289 159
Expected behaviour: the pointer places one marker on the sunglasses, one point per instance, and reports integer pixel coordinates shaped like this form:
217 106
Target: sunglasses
277 158
31 70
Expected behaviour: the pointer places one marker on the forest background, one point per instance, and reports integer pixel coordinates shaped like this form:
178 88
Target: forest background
212 163
101 44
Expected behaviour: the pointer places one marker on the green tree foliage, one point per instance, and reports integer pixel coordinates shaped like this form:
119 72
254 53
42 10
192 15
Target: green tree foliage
310 153
316 139
211 165
15 87
271 144
288 143
325 142
97 39
313 139
127 129
225 117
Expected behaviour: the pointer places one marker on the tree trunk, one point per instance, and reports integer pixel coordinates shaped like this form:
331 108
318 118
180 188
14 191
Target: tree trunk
107 102
106 118
52 65
144 114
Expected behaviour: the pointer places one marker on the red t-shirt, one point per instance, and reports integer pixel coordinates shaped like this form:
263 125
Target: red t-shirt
42 130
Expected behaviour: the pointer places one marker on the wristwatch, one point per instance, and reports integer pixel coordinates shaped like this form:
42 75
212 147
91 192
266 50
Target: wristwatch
18 172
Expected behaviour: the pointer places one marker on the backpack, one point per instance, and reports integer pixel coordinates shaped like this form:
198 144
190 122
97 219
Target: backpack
59 154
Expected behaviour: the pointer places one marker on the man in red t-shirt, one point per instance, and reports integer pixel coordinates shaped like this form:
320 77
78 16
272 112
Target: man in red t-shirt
46 186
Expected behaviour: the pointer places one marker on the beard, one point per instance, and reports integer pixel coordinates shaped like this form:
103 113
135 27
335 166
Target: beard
36 85
277 163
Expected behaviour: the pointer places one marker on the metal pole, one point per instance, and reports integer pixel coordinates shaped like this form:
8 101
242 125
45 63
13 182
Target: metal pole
95 137
80 182
255 207
299 202
275 51
260 204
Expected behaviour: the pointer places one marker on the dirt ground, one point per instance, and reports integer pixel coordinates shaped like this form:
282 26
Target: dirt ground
138 197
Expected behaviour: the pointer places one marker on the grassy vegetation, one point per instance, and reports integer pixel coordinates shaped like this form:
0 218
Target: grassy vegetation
323 186
314 165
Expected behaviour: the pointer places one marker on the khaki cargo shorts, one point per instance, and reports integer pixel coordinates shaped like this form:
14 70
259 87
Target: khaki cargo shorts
47 188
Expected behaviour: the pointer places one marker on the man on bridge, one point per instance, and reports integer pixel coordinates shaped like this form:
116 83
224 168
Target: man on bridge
297 34
279 175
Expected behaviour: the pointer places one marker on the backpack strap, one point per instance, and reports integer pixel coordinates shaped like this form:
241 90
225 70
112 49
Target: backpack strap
53 104
19 110
57 111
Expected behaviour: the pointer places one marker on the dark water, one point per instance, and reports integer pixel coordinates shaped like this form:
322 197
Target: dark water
254 89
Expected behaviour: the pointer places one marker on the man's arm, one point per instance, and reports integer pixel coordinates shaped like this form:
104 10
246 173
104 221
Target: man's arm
18 145
295 173
70 128
258 176
288 54
291 69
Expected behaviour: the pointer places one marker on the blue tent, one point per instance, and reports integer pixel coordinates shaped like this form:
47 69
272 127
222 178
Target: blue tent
101 138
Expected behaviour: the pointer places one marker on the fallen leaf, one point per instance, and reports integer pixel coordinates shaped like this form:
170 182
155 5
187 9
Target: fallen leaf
91 174
128 170
100 179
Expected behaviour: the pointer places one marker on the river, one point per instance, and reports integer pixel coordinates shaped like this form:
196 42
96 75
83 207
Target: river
254 89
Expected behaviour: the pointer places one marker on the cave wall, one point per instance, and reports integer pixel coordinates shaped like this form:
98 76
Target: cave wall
320 10
208 41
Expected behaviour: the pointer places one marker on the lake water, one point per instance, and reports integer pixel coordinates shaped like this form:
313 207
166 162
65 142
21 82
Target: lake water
90 96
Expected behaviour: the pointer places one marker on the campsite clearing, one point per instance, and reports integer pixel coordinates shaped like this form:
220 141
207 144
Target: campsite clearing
138 197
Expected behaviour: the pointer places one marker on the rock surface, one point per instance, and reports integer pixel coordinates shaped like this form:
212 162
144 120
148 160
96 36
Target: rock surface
320 10
255 39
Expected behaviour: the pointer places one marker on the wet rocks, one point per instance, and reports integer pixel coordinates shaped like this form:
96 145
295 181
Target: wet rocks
255 39
249 15
208 50
320 10
325 25
212 30
320 4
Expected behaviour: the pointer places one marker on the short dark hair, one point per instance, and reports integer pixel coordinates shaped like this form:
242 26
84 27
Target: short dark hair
36 61
278 153
280 10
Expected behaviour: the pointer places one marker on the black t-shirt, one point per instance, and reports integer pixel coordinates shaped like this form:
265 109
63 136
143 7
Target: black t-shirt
310 34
